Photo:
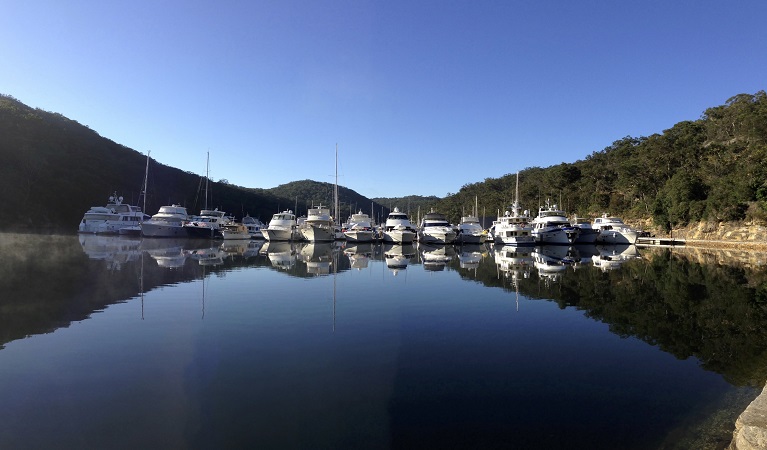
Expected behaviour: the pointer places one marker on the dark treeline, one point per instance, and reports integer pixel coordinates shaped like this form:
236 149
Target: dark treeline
53 169
712 169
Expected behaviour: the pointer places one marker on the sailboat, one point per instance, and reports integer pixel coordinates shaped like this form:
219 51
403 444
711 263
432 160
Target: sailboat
135 229
210 221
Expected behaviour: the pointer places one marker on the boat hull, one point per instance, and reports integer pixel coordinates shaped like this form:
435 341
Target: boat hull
464 238
318 234
437 237
555 236
203 232
613 237
399 236
151 230
280 235
587 236
359 236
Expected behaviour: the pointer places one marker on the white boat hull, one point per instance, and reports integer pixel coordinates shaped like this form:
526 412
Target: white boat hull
318 234
399 236
280 235
515 240
359 236
437 237
617 237
552 236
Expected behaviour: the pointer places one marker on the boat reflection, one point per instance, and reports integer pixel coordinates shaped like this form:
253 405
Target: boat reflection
513 261
470 255
359 254
436 257
611 257
552 260
398 256
318 256
282 254
115 250
208 256
168 253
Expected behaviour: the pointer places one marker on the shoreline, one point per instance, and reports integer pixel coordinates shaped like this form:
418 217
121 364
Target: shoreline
725 244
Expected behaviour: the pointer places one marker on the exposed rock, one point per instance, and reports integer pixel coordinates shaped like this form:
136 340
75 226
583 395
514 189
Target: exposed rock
751 427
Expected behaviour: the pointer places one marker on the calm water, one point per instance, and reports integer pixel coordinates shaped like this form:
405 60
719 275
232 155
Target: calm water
119 342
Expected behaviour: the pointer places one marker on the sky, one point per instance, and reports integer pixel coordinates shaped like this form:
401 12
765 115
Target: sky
420 97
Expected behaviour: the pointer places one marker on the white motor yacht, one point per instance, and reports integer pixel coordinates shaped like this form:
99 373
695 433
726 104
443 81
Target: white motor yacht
398 228
208 224
282 227
435 229
551 226
113 217
168 222
513 228
470 231
612 230
359 228
319 226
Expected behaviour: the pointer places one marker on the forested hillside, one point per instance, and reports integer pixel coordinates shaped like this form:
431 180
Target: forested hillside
52 169
711 169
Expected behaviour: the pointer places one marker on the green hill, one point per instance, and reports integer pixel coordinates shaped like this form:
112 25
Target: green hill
712 169
53 169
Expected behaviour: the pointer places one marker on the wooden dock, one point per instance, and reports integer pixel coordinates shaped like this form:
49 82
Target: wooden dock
670 242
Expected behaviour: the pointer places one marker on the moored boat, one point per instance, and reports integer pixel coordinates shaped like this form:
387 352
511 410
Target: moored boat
113 217
612 230
398 228
208 224
551 226
319 226
234 230
358 228
513 228
586 233
470 231
435 229
282 227
254 226
168 222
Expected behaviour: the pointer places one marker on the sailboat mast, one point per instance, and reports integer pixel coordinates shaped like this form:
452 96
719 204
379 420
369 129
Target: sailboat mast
146 180
207 175
335 192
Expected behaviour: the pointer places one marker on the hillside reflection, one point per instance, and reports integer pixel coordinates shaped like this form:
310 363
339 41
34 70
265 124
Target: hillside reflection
690 303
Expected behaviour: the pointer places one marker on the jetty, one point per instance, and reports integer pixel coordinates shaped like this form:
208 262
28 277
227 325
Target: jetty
659 241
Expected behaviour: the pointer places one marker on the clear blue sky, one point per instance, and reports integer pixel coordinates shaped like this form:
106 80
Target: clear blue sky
421 97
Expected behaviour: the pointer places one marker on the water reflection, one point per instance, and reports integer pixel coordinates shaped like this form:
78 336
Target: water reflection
359 254
398 256
114 250
514 261
282 255
436 257
319 257
611 257
646 340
